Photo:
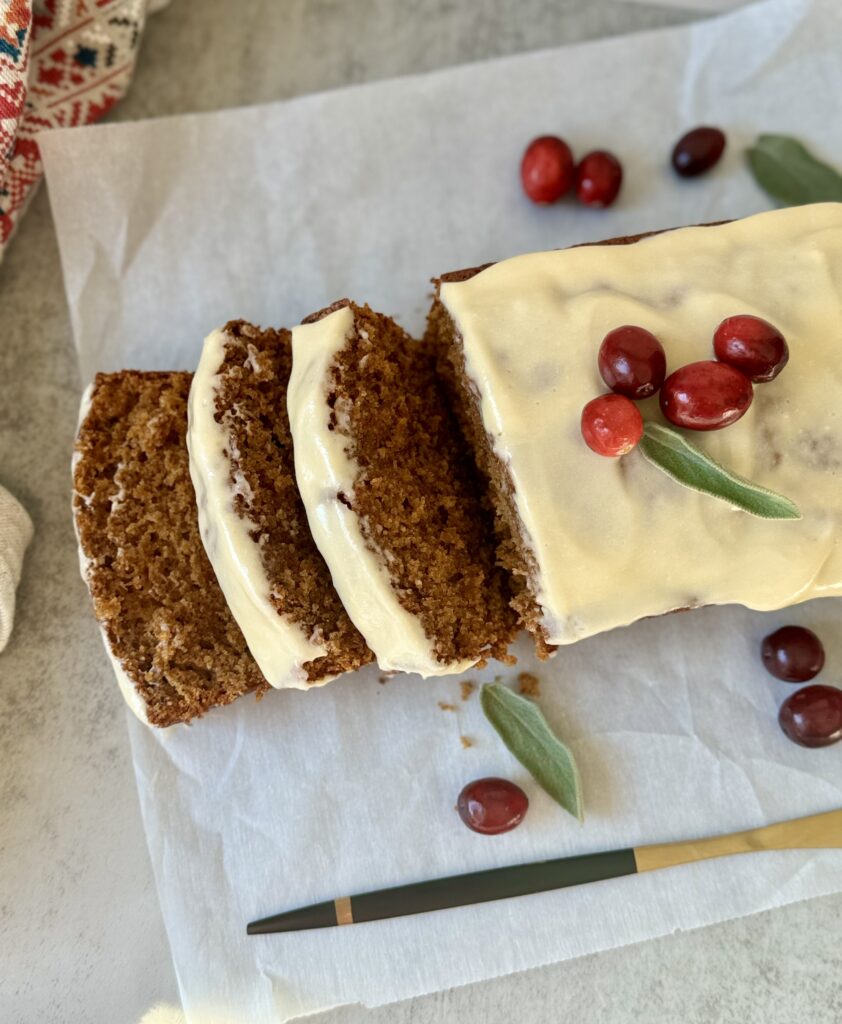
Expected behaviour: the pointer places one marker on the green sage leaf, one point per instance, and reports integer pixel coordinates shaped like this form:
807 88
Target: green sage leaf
786 169
680 459
524 730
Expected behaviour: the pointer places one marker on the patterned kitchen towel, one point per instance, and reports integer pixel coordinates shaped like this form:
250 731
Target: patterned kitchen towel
15 534
62 63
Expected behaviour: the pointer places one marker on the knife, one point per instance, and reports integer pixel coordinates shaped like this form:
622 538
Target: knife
819 831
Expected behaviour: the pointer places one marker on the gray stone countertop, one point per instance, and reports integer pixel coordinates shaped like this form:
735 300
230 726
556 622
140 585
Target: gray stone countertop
81 937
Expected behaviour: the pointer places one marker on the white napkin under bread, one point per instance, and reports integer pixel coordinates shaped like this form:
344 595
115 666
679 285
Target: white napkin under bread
15 534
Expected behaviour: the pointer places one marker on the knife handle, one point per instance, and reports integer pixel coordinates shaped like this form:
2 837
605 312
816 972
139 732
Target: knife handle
495 884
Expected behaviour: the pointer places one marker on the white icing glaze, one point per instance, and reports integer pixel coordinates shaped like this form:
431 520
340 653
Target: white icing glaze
277 644
323 470
616 540
128 689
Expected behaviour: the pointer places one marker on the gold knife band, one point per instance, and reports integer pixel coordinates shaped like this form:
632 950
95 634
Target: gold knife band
344 913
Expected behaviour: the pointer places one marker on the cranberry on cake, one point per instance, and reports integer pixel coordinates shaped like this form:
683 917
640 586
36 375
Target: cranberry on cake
251 518
176 650
393 496
603 542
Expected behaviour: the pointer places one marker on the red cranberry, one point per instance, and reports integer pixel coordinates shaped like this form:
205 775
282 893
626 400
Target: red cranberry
547 169
812 716
754 346
705 396
598 178
491 806
697 151
611 425
632 362
793 653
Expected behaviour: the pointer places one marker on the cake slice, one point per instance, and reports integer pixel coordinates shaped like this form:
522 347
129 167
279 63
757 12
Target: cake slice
603 542
252 522
393 497
176 650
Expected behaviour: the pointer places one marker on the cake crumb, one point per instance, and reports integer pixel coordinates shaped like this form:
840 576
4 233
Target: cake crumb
528 684
130 448
383 680
466 741
467 689
443 561
446 707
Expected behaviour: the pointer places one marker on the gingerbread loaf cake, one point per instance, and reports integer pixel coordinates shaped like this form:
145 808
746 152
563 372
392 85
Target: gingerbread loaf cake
176 650
251 518
393 496
603 542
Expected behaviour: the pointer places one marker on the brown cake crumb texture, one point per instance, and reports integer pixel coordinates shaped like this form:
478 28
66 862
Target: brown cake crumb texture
467 688
251 404
153 589
421 502
513 551
466 741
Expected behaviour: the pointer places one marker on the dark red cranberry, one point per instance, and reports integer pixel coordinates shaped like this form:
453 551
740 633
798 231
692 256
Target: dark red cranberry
632 362
793 653
491 806
705 396
547 169
598 178
751 345
697 151
812 716
611 425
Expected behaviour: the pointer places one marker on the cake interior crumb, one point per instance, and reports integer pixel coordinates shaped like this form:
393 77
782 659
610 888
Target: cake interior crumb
153 589
250 402
420 500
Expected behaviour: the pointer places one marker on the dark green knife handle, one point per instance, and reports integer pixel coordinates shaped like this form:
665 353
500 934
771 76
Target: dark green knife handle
458 891
495 884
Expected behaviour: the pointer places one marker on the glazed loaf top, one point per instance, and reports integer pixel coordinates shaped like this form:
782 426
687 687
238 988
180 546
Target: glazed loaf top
615 540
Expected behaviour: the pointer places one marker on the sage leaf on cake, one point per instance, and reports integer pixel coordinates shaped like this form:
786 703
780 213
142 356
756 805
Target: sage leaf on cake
680 459
786 169
523 728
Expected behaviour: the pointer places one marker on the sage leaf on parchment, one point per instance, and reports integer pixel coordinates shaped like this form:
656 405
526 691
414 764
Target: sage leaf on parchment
680 459
524 730
787 170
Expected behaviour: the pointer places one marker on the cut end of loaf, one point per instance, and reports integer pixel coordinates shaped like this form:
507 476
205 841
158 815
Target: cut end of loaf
512 553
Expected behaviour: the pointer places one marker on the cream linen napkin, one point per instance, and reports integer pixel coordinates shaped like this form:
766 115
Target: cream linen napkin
15 534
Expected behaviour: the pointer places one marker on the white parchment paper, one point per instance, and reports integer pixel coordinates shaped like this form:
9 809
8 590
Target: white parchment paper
169 228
